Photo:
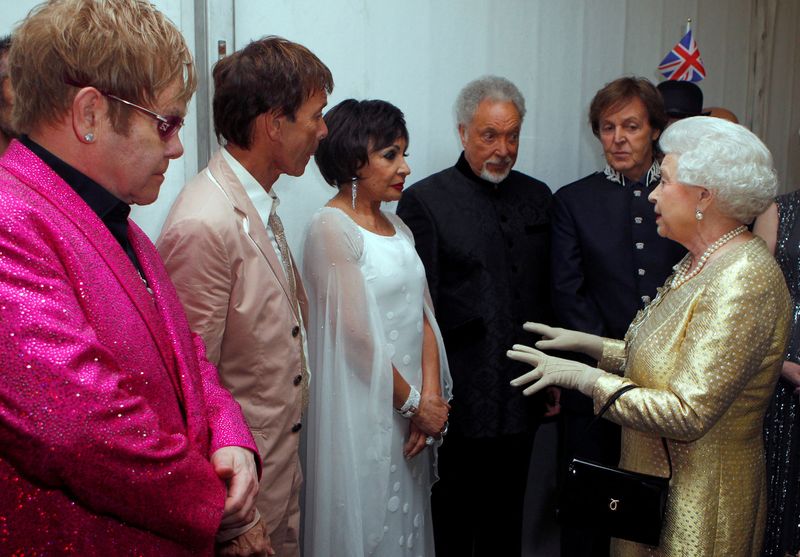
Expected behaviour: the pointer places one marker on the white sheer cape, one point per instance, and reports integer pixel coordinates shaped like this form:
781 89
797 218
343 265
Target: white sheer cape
350 418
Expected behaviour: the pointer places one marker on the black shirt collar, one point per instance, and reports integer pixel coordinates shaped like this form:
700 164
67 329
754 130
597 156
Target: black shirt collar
463 166
113 212
99 199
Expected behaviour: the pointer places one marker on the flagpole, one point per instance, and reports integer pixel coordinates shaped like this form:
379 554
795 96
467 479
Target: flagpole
688 24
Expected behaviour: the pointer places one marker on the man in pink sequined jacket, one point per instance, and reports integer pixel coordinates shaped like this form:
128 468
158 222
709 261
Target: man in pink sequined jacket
115 435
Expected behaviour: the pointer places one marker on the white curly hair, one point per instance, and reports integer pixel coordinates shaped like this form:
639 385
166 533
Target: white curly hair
725 157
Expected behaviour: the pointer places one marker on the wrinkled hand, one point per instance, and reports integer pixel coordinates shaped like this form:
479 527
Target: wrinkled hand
432 414
790 371
549 370
253 543
415 443
556 338
237 467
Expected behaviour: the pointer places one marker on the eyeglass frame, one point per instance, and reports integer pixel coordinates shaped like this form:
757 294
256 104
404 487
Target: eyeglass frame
167 126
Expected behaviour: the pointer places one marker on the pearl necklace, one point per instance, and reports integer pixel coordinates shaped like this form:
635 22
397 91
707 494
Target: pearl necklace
681 272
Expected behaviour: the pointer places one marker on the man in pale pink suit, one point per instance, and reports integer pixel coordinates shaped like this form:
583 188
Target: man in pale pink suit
115 435
224 248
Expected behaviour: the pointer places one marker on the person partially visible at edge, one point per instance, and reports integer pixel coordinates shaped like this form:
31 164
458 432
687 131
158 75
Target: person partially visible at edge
704 354
482 232
779 225
224 247
7 132
383 373
607 259
115 435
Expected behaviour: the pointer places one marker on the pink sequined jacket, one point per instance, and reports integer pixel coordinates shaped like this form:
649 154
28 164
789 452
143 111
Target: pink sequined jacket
109 410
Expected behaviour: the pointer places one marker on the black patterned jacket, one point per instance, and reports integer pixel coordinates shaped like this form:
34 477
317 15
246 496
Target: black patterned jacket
486 251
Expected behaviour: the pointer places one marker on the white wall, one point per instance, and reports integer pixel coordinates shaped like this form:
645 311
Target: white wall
418 53
181 12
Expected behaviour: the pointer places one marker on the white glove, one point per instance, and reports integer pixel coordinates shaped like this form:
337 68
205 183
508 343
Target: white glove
549 370
556 338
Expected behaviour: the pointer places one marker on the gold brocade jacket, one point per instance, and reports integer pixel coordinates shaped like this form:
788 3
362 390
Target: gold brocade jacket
707 355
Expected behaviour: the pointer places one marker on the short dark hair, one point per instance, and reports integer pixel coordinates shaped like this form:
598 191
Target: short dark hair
355 128
271 73
5 44
621 91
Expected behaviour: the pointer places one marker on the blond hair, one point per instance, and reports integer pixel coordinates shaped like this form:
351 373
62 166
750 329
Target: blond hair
123 47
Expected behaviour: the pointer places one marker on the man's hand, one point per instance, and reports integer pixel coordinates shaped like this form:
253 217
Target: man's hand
552 402
237 467
431 415
253 543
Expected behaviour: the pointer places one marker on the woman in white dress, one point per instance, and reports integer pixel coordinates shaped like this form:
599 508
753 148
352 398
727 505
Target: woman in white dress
381 384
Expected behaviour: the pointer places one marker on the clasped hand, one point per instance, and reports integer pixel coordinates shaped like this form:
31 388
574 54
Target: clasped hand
429 421
432 414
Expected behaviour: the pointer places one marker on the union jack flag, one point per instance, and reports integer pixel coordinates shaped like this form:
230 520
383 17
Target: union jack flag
683 62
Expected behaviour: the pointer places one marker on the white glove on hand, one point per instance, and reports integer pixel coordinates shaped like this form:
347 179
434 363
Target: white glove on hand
556 338
549 370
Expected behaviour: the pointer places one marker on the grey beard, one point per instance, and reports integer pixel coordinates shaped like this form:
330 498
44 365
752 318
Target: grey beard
494 178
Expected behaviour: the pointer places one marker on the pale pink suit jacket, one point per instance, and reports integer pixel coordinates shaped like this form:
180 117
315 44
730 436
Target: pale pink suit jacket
109 410
234 289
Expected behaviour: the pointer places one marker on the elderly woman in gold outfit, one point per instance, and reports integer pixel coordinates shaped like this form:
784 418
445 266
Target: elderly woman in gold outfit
705 354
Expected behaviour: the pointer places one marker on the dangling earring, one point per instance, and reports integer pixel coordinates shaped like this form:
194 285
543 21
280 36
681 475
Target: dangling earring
89 137
353 191
698 214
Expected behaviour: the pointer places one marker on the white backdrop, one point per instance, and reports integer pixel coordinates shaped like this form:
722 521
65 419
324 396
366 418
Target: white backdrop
558 53
417 54
150 218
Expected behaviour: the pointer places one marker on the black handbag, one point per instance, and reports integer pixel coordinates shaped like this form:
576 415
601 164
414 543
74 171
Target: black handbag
620 503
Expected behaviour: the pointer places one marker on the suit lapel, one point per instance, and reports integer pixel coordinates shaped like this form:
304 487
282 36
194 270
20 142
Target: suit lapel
164 329
255 230
24 164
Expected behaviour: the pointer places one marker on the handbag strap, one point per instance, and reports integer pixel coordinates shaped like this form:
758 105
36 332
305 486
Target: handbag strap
611 400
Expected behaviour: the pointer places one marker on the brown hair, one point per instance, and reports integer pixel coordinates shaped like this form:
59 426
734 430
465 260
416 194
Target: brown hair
619 92
271 73
123 47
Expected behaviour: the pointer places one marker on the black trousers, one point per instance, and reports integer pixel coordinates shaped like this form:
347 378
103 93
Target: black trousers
600 444
478 501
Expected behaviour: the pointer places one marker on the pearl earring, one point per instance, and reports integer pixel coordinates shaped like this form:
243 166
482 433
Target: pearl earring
89 137
698 214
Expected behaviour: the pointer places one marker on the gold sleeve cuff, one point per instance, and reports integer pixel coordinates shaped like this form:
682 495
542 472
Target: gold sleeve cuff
606 385
613 359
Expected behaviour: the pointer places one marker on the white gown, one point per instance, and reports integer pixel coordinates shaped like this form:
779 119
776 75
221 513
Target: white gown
367 296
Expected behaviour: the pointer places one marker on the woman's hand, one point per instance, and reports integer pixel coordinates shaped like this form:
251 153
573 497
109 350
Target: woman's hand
416 441
549 370
791 373
432 414
556 338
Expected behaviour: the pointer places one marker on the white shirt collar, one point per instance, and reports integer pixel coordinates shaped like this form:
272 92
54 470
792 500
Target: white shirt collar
264 202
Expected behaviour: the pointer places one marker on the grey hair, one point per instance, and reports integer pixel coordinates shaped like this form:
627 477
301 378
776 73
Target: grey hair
487 87
725 157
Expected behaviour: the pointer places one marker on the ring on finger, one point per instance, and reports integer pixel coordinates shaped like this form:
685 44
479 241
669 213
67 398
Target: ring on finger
429 440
